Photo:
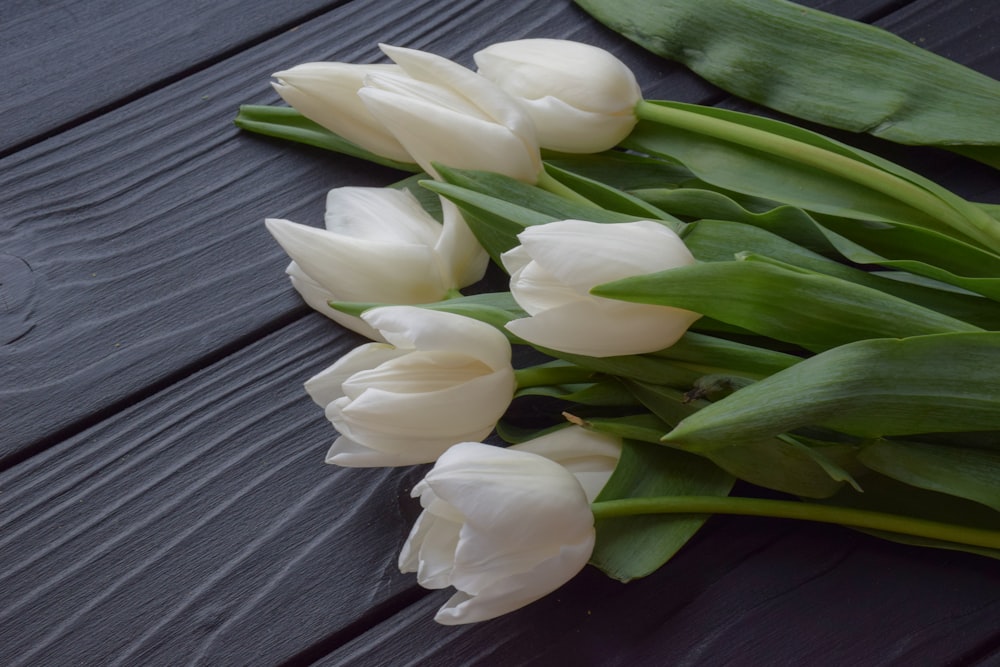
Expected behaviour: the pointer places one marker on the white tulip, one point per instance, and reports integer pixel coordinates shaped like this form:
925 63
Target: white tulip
558 263
326 93
442 379
504 527
445 113
590 456
380 246
581 98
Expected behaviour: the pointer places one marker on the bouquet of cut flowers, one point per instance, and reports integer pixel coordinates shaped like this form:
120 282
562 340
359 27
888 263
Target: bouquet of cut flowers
703 296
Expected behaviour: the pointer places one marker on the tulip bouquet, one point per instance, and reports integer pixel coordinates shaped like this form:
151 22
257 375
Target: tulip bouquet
701 297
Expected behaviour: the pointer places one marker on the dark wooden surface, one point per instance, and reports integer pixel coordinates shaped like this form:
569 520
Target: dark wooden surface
163 499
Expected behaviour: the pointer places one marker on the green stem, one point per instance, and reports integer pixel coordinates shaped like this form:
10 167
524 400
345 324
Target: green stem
549 183
452 293
790 509
971 221
553 373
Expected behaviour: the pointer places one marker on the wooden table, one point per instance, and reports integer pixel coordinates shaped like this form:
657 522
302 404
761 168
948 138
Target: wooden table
163 496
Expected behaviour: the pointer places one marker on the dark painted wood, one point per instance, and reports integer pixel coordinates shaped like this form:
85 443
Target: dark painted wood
164 500
741 593
65 60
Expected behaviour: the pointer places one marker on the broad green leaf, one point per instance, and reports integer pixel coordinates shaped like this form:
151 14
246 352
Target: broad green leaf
814 311
611 198
716 240
635 546
872 388
287 123
779 463
625 171
775 160
973 474
711 355
752 172
883 494
789 222
865 80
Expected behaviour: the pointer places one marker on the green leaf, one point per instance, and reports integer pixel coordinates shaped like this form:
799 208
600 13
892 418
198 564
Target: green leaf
865 79
289 124
717 240
487 201
611 198
625 171
642 427
783 464
973 474
872 388
814 311
635 546
883 494
779 161
602 393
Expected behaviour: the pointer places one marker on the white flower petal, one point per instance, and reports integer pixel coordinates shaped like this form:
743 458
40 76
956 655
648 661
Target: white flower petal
318 298
326 93
512 593
410 326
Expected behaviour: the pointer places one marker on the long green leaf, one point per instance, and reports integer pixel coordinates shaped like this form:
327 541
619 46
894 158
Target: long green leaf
632 547
779 463
768 158
973 474
884 494
611 198
818 67
814 311
872 388
718 240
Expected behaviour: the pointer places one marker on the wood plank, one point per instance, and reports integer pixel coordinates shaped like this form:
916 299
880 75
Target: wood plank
743 592
201 525
66 60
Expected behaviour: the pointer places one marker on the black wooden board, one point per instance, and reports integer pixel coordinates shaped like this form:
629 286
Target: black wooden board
163 499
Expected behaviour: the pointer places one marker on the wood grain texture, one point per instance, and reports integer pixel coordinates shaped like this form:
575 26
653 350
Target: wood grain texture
200 526
67 60
165 500
741 593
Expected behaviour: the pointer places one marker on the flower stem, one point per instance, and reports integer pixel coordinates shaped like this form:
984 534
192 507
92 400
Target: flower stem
791 509
970 221
549 183
552 373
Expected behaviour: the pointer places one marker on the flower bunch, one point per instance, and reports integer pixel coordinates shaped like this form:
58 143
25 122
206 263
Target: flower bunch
699 287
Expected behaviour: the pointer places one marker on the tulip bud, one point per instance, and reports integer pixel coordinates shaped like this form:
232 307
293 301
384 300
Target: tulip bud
445 113
581 98
326 93
379 246
504 527
443 378
558 263
589 456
